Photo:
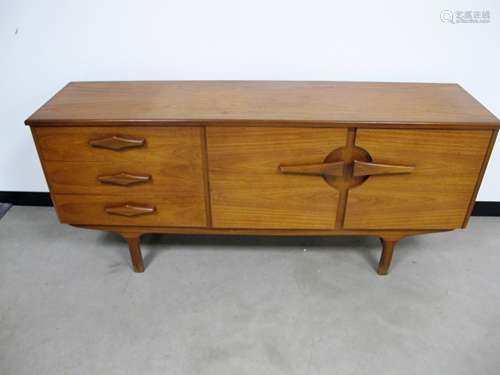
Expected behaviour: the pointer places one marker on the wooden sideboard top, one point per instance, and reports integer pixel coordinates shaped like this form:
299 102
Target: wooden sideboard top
264 103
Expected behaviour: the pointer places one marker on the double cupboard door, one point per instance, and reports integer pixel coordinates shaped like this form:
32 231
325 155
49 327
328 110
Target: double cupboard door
342 179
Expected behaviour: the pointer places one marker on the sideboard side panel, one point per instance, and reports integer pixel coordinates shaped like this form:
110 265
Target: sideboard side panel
486 159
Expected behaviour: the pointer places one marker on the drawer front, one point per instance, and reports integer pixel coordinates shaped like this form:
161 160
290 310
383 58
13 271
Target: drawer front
177 211
118 144
171 177
435 194
249 191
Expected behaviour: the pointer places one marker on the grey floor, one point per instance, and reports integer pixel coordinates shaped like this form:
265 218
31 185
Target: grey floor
70 303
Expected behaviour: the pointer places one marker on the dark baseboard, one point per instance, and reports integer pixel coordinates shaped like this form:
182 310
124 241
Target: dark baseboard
486 209
23 198
26 198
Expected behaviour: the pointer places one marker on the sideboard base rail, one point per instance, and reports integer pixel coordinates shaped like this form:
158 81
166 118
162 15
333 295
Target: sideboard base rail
388 238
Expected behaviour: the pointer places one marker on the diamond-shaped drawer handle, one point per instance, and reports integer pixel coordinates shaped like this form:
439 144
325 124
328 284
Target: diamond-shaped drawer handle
322 169
117 143
130 210
362 168
124 179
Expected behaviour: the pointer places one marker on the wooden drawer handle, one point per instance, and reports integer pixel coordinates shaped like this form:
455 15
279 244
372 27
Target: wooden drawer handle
130 210
323 169
117 143
124 179
362 168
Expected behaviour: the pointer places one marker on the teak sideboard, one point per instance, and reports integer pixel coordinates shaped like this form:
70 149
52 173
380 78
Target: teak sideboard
264 157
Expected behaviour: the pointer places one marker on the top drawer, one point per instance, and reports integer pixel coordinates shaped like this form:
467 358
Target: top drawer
117 143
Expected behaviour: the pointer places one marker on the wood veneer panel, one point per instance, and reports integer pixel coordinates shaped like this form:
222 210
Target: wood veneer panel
179 210
433 196
181 144
172 176
247 188
480 178
171 157
260 103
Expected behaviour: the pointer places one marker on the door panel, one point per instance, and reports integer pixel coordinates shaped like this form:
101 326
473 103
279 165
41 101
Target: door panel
435 195
249 191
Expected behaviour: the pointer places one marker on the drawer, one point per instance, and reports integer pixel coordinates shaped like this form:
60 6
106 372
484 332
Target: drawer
171 177
249 191
437 192
115 144
179 210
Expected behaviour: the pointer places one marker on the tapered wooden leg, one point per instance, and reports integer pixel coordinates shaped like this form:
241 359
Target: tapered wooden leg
386 257
135 251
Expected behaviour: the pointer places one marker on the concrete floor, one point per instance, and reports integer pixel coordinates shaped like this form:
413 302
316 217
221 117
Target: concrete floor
70 303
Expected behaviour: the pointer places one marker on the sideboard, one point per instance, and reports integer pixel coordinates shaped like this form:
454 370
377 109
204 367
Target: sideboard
264 158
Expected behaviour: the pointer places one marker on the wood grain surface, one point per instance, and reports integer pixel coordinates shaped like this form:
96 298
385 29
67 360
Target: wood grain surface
249 191
179 210
260 102
172 157
173 176
435 195
161 144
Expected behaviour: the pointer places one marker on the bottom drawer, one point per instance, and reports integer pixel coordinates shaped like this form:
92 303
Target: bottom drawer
179 211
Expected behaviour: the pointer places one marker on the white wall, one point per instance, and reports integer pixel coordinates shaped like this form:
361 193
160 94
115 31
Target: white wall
45 44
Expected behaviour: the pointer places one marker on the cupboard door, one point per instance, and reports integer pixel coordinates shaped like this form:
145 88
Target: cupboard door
248 190
433 193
